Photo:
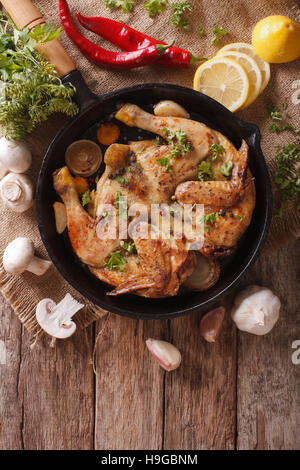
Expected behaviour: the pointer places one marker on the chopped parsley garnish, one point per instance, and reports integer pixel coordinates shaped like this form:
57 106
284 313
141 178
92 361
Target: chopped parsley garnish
180 9
126 5
116 262
121 204
155 7
160 140
276 116
200 32
180 144
284 127
287 176
226 168
105 214
216 150
128 246
164 162
86 198
209 219
218 32
123 181
240 217
204 171
175 152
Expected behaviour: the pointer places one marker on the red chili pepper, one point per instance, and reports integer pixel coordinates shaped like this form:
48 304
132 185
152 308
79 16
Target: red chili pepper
130 39
119 60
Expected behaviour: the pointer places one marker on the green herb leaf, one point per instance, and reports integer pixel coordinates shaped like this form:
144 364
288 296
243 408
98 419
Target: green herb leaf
116 262
240 217
86 198
123 181
287 176
218 32
204 171
154 7
128 246
200 32
126 5
216 150
226 168
164 162
179 10
209 219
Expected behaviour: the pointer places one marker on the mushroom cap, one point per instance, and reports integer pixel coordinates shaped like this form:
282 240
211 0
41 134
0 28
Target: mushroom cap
15 155
18 255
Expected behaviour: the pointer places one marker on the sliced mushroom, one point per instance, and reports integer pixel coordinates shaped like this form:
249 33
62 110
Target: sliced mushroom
205 275
16 192
170 108
83 157
56 319
19 257
14 156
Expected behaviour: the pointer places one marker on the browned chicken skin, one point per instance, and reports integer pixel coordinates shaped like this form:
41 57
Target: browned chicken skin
159 266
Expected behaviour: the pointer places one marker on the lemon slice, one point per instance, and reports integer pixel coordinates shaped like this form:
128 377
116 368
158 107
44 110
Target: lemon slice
224 80
245 48
253 72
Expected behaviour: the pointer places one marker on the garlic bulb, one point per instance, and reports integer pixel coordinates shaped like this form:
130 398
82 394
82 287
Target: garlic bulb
256 310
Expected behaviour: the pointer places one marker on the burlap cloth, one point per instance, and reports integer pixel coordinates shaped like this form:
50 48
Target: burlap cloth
238 16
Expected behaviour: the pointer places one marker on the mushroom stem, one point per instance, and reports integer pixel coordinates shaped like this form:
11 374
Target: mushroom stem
38 266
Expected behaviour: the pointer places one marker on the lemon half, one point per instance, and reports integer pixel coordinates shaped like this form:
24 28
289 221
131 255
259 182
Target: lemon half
224 80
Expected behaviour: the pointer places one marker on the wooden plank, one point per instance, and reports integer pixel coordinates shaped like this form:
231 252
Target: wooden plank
268 381
57 387
200 395
129 386
10 404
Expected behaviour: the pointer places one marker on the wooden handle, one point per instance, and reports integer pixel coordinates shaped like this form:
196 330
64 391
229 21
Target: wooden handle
24 13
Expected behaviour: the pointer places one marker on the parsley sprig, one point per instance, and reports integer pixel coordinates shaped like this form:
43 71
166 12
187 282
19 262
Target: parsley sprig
218 32
209 219
154 7
287 176
126 5
115 262
216 151
30 89
180 9
204 171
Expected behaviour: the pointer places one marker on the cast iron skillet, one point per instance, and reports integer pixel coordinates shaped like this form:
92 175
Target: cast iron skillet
201 107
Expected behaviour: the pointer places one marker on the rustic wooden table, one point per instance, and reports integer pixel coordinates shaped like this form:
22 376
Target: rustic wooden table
242 392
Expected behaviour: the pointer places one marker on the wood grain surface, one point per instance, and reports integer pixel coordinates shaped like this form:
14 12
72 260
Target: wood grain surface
240 393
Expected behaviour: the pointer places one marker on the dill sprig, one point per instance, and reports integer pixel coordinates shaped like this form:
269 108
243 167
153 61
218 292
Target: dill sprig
30 89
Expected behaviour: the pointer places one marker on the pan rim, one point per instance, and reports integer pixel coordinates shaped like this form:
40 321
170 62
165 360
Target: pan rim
254 132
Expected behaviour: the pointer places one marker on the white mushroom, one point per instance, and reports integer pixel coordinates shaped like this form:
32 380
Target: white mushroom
56 319
16 192
170 108
14 156
256 310
19 257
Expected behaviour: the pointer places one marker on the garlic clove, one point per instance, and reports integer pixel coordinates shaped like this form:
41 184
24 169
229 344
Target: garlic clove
166 354
168 108
211 324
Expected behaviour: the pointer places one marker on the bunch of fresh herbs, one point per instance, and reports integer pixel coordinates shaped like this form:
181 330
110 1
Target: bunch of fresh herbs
30 90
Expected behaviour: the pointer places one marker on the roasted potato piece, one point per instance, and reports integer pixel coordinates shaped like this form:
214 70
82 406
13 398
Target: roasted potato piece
60 214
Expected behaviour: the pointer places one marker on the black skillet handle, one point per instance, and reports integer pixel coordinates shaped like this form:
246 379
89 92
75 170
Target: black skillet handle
24 13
